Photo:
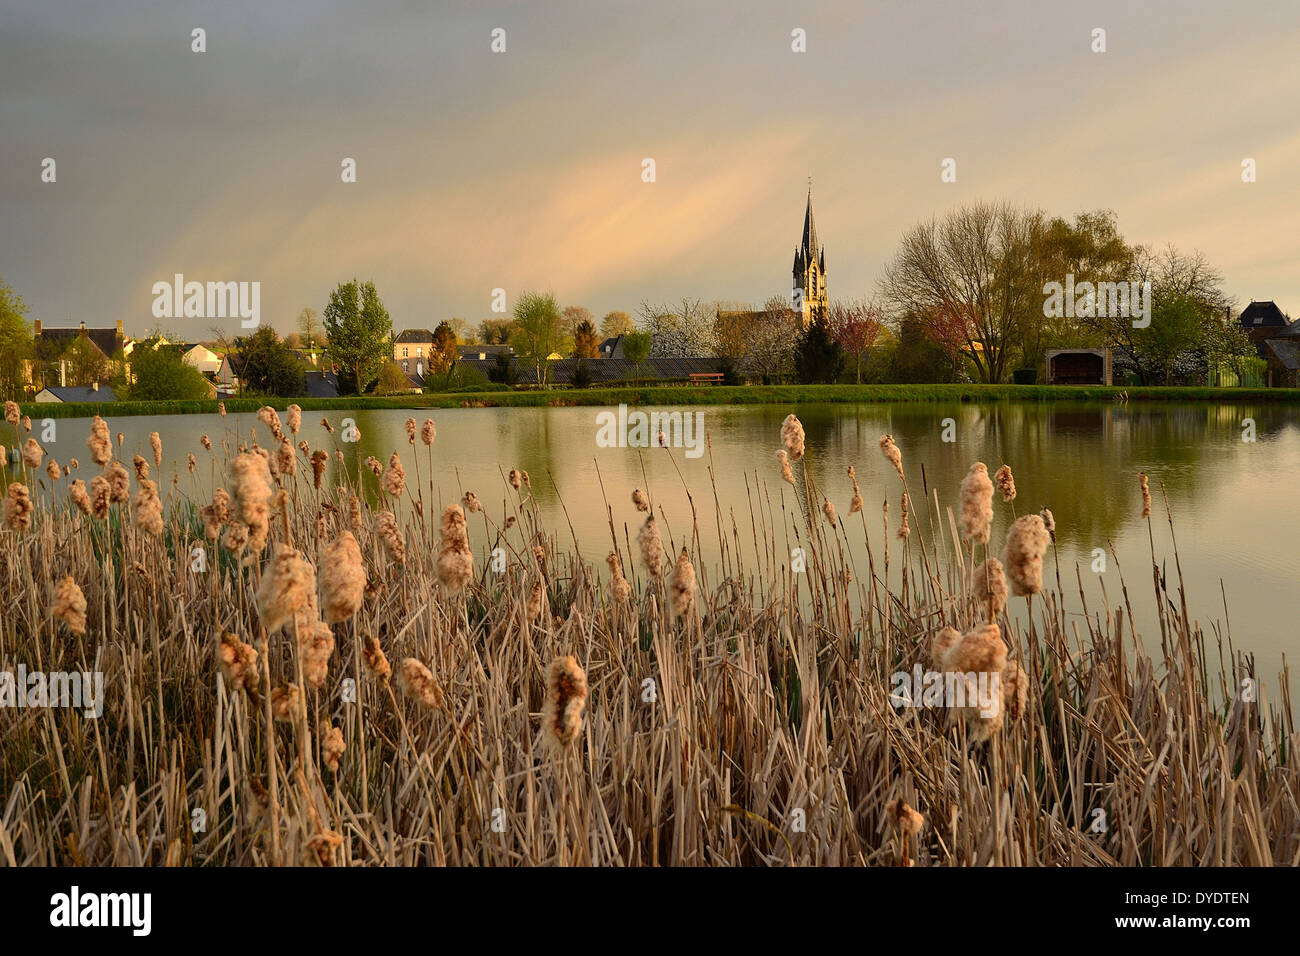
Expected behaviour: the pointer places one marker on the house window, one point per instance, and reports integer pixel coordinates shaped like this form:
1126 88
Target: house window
419 351
405 352
404 366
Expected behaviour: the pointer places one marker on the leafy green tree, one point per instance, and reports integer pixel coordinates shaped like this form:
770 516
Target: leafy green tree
538 331
390 380
268 366
581 375
616 323
818 358
442 356
496 331
636 348
160 374
15 343
360 333
503 370
310 328
86 364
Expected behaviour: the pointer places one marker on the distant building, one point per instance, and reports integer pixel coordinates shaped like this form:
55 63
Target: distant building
107 340
413 344
86 393
483 353
322 384
611 348
810 270
1079 367
1277 342
201 357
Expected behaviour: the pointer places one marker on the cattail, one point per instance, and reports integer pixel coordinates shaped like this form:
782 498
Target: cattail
1006 483
534 607
295 418
99 442
315 645
77 493
72 462
272 462
417 681
318 462
52 470
943 642
18 507
828 510
250 485
375 465
120 438
428 432
221 409
206 442
12 413
239 664
191 462
471 502
141 468
354 515
288 589
269 417
681 585
1146 494
410 431
989 586
32 453
904 529
147 508
792 437
70 605
510 522
325 424
515 480
891 453
1049 523
905 818
27 427
342 578
652 546
287 703
395 476
332 747
304 448
855 503
119 482
1022 556
784 458
618 583
390 534
1015 690
375 658
455 560
566 696
101 496
523 476
639 499
216 514
285 460
977 504
155 442
981 651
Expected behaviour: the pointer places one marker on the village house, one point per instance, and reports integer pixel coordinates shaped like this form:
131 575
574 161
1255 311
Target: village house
51 346
79 393
1277 342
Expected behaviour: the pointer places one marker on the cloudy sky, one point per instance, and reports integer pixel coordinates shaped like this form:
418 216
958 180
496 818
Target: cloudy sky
522 170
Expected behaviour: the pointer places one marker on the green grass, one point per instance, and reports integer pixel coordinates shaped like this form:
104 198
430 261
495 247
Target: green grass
692 395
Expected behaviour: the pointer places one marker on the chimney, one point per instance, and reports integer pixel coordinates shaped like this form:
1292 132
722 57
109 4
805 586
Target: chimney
63 373
119 330
83 328
36 328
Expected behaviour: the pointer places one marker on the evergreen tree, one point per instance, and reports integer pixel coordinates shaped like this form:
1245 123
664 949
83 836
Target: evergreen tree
818 358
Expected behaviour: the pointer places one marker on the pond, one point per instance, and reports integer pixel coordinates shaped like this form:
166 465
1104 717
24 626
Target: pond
1233 500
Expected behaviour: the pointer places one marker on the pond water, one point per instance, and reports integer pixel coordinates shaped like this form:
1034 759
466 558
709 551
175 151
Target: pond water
1234 501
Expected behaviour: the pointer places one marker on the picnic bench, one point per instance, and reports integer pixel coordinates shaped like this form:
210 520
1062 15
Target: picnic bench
706 378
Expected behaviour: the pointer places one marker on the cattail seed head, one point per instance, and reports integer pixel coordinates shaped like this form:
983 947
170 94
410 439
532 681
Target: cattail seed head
318 462
99 442
681 584
238 664
566 697
295 418
989 587
783 457
905 818
828 510
418 681
101 496
428 432
155 442
376 661
147 508
1146 494
792 437
395 475
891 453
471 503
639 500
410 431
977 504
332 747
652 546
18 507
342 578
1022 555
618 583
455 560
287 704
390 534
79 497
32 453
1049 522
70 605
1006 483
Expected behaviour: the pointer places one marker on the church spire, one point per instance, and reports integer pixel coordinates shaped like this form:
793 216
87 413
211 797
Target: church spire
810 248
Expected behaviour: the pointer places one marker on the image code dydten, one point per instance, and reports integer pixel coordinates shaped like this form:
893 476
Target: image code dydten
855 438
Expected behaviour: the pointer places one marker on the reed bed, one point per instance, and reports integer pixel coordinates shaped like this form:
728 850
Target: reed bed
325 666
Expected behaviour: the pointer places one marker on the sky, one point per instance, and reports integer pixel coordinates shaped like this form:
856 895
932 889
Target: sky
522 170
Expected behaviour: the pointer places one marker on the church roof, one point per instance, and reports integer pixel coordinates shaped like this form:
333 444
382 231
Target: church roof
810 248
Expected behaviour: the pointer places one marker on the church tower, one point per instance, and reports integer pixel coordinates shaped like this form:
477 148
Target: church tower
810 269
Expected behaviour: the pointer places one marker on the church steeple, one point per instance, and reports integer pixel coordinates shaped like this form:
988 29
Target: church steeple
810 267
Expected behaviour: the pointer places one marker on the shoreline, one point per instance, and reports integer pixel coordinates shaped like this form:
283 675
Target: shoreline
689 395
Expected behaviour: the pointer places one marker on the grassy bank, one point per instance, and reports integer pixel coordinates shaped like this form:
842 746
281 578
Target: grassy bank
692 395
